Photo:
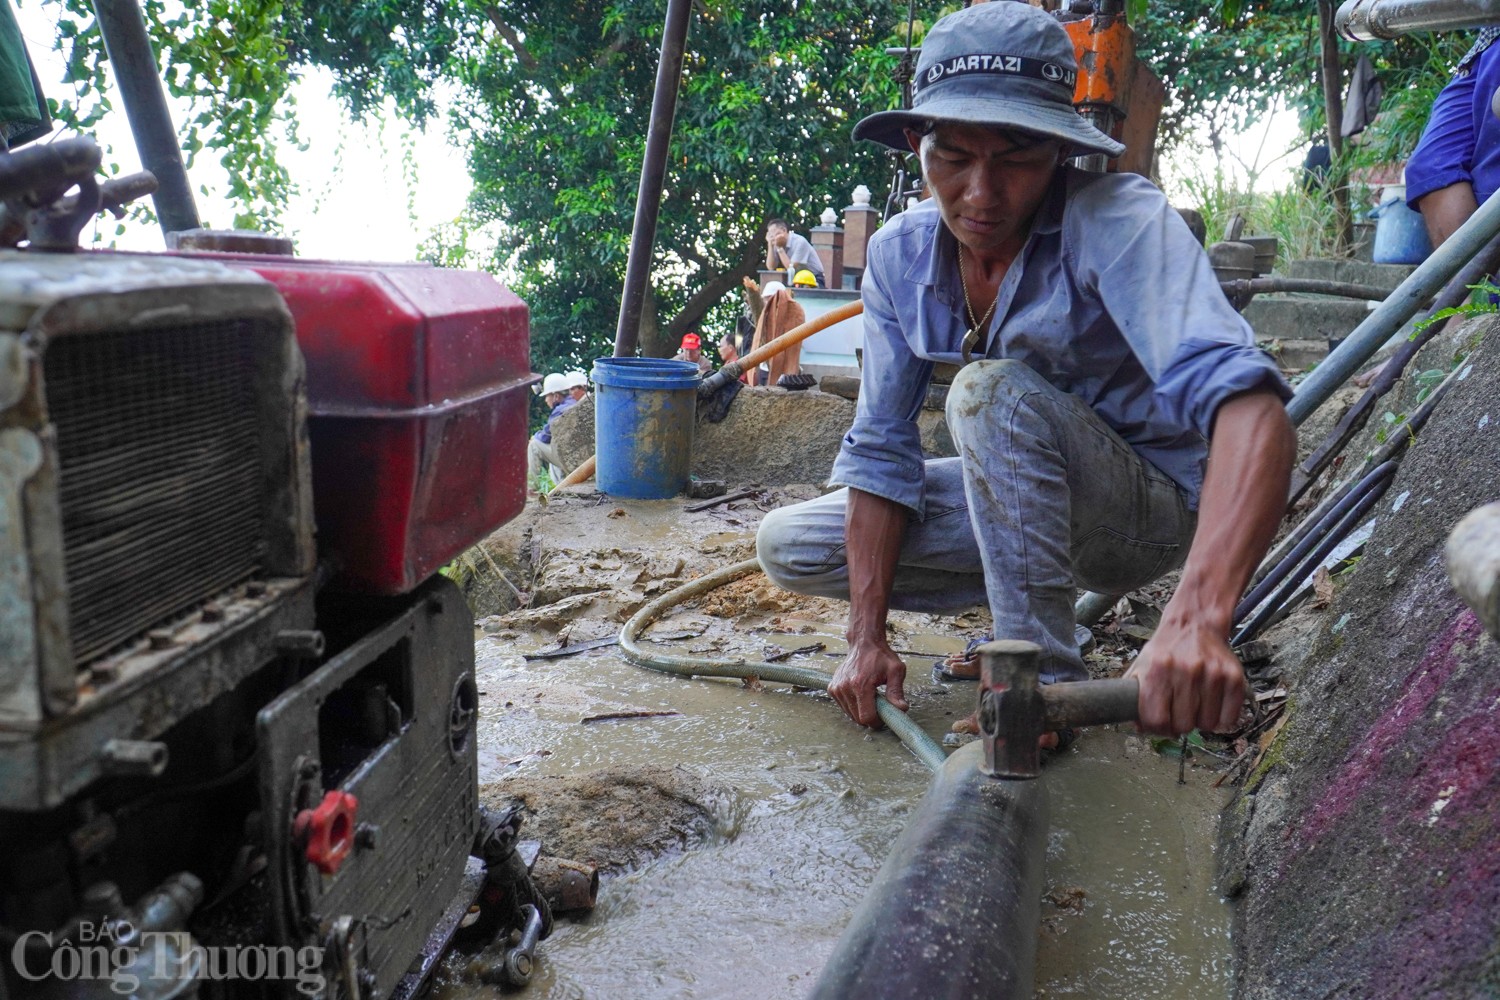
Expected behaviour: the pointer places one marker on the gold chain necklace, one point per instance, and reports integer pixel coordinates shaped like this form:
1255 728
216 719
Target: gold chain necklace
971 339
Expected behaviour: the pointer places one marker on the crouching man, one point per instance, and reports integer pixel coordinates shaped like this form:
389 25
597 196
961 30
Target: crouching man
1103 371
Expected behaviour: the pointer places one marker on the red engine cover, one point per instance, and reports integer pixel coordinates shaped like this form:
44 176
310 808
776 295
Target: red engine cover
417 382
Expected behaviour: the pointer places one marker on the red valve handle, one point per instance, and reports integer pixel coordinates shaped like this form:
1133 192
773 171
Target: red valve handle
328 830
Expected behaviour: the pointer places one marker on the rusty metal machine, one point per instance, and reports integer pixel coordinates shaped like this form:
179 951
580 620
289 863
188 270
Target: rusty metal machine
237 700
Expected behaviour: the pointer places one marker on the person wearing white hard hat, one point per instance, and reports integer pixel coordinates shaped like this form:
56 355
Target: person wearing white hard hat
540 451
578 385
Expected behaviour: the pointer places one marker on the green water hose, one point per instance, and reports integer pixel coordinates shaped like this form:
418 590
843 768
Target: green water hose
926 750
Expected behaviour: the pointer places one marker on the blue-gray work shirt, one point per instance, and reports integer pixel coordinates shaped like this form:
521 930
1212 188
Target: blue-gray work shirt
1111 299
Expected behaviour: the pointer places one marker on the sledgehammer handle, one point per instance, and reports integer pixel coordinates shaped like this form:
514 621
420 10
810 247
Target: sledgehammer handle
1091 703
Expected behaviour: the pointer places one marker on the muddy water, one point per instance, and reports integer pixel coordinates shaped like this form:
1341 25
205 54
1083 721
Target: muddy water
813 804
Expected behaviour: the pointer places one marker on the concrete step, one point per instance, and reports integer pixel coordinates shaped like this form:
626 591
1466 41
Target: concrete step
1287 318
1386 276
1297 355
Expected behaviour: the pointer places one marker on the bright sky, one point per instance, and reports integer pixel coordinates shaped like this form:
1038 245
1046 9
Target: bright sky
353 201
1258 151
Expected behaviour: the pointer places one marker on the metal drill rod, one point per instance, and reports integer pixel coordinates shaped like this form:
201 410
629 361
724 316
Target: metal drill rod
138 77
653 173
1369 20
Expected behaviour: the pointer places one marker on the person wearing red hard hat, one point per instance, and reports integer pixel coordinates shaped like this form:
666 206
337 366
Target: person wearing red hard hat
692 350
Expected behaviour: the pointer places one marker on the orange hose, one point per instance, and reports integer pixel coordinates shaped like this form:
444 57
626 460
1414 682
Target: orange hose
797 335
577 476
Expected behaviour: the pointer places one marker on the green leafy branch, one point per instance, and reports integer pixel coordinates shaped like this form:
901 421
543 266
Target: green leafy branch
1486 299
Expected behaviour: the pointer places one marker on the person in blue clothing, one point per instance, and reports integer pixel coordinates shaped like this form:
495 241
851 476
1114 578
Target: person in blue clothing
540 452
1113 417
1456 165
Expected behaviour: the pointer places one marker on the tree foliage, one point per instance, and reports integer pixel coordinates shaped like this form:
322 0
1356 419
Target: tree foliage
558 109
228 59
1228 62
553 101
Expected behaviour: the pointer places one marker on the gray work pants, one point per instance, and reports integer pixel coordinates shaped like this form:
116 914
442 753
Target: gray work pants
541 455
1044 497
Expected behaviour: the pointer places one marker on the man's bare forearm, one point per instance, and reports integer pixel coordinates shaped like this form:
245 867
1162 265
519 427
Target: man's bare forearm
873 530
1243 500
1445 209
1187 673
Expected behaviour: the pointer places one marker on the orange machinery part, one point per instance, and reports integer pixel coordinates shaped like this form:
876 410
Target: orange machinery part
1106 62
1110 78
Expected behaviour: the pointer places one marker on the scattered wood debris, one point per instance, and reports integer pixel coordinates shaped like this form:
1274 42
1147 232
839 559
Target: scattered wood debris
693 508
577 647
787 654
630 713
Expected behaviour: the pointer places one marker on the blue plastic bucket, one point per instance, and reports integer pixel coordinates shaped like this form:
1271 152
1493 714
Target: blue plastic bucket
644 411
1400 234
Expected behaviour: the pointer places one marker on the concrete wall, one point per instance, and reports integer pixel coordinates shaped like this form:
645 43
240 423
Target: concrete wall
770 436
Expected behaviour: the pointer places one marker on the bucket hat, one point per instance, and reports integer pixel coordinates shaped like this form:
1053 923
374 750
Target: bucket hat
1004 64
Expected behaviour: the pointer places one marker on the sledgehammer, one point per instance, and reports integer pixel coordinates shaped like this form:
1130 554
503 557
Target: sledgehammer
1015 709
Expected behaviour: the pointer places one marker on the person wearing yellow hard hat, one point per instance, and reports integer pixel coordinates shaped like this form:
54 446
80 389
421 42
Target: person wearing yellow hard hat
805 279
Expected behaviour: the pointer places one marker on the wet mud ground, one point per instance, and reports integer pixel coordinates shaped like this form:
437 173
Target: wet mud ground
796 807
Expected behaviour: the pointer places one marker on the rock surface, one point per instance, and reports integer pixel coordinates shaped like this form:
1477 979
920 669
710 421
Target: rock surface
773 437
1364 853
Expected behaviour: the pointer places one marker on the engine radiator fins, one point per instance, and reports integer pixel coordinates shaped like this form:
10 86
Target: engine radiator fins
160 473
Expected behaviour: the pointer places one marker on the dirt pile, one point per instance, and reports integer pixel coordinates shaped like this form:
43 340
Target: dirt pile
617 818
605 556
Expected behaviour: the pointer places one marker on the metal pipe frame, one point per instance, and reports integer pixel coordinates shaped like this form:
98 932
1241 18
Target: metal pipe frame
653 172
1372 20
139 80
1399 306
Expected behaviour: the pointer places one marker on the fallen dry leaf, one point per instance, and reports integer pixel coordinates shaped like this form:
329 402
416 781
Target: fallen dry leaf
617 512
1322 588
525 757
1147 614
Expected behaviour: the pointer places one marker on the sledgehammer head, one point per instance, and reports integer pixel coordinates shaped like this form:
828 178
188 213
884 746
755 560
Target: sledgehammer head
1012 714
